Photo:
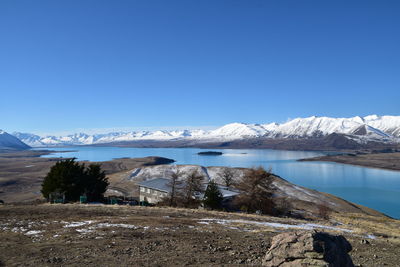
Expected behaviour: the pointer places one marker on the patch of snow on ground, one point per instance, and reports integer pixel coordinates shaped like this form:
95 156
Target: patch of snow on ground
306 226
370 236
77 224
34 232
18 230
122 225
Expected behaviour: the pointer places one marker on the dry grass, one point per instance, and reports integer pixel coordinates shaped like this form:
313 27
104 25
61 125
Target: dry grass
365 224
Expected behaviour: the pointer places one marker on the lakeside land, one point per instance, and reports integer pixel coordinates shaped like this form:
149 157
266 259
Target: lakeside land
21 178
331 142
22 172
387 161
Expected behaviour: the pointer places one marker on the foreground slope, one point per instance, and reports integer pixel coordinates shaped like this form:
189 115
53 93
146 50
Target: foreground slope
93 235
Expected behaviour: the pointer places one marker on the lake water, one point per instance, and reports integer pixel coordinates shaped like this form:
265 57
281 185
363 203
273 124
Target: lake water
374 188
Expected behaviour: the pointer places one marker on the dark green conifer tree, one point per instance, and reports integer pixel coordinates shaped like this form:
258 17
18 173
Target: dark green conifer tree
72 179
96 183
212 196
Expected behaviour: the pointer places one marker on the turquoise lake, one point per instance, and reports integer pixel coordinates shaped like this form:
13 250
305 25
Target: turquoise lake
374 188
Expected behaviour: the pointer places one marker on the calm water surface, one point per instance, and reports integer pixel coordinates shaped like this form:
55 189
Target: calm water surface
374 188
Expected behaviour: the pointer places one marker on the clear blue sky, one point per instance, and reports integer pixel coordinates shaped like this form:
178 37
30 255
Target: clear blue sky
83 64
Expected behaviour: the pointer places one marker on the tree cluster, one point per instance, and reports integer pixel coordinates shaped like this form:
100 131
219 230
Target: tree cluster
187 191
73 180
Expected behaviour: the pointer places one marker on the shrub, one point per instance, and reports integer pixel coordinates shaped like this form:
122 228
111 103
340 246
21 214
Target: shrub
323 211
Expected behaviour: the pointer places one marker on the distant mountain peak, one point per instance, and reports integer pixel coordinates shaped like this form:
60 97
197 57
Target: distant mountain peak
10 142
372 127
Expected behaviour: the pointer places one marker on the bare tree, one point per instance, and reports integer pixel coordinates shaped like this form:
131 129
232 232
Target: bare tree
256 191
193 187
175 186
227 176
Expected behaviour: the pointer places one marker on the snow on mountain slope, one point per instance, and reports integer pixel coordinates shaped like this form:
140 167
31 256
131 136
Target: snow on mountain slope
8 141
387 124
320 126
376 128
237 130
31 139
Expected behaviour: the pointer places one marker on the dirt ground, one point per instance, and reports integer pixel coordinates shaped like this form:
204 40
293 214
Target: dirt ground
90 235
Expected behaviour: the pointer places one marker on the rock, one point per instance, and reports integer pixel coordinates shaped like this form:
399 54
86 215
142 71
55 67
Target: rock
308 249
365 241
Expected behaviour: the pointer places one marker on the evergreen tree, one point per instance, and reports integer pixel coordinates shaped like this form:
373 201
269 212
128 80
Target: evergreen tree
95 183
212 196
64 177
70 178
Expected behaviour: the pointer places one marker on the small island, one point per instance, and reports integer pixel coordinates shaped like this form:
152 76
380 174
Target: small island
210 153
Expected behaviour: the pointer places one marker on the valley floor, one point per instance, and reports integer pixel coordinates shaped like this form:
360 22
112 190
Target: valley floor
90 235
388 161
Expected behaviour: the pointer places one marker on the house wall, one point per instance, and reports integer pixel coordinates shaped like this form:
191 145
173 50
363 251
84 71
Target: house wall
151 195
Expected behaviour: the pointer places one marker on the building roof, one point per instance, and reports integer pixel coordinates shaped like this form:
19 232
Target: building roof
160 184
227 192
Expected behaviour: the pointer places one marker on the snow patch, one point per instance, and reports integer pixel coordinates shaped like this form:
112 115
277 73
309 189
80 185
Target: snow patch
77 224
34 232
306 226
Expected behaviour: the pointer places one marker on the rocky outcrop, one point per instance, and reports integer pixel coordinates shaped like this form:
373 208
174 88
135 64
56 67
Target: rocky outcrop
308 249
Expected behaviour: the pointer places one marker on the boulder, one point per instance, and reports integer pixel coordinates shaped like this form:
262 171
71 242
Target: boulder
308 248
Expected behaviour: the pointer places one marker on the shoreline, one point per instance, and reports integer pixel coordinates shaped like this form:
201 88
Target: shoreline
378 160
382 161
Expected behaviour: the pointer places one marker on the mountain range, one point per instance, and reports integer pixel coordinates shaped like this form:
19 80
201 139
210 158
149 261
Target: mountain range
10 142
373 128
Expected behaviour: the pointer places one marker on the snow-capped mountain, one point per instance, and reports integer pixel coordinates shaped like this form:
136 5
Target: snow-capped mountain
8 142
321 126
362 129
387 124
